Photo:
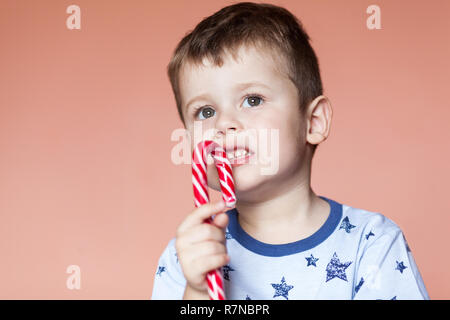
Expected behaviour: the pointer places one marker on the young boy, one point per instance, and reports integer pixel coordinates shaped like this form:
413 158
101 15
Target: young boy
251 67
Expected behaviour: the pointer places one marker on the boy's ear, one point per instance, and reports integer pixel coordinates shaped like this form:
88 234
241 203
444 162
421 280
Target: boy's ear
319 115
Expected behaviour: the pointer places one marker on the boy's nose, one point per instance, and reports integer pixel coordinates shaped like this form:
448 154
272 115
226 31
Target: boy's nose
221 137
226 124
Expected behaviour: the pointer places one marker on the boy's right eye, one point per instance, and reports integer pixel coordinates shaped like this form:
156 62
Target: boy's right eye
205 113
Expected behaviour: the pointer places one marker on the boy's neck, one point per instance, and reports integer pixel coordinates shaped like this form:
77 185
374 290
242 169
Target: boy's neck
293 215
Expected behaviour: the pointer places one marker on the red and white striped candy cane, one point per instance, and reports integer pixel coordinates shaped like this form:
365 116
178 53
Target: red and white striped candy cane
201 196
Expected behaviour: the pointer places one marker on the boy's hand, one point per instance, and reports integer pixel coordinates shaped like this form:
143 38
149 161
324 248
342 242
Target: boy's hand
201 246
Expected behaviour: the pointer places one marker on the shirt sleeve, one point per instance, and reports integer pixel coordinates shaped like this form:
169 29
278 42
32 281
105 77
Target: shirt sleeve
388 271
169 282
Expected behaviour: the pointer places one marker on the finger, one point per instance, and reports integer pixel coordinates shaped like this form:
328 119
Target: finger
205 248
200 214
221 220
203 232
213 262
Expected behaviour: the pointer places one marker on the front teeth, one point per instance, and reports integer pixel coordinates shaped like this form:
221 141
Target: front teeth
237 154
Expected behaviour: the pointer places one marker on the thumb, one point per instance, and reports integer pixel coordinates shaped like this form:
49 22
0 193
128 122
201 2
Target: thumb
221 220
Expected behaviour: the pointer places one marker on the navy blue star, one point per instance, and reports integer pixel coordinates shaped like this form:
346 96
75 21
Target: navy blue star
400 266
369 234
282 289
311 261
160 270
176 255
359 284
247 298
228 235
226 269
346 225
337 269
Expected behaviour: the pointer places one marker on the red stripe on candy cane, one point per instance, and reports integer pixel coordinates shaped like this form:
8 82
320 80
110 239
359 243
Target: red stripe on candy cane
200 184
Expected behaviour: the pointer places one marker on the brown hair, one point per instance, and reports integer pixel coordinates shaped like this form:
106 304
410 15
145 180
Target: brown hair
258 24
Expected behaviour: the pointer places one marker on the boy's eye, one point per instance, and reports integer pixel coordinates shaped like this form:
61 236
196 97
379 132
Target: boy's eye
253 101
206 113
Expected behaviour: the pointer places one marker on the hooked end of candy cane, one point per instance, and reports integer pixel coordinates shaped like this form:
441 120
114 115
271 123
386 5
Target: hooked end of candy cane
230 203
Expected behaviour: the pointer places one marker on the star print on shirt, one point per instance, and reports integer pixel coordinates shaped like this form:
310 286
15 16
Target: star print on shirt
176 255
282 289
226 269
400 266
228 235
346 225
247 298
369 234
337 269
311 261
160 270
359 285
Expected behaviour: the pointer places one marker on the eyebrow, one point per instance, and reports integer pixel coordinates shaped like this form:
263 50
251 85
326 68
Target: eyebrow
237 87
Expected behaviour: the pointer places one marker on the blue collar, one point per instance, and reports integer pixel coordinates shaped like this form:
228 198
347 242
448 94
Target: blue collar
278 250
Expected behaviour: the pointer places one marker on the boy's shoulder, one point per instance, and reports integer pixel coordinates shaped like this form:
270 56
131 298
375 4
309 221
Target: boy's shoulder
368 218
367 224
169 253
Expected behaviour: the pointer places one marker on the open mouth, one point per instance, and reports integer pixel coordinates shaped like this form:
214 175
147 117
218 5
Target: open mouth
239 156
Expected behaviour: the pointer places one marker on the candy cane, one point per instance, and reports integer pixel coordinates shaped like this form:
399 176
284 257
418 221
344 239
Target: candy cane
201 196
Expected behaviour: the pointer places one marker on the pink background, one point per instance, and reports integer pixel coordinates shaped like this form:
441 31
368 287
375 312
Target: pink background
86 117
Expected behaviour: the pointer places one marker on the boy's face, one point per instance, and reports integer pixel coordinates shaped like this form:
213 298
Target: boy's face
234 112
